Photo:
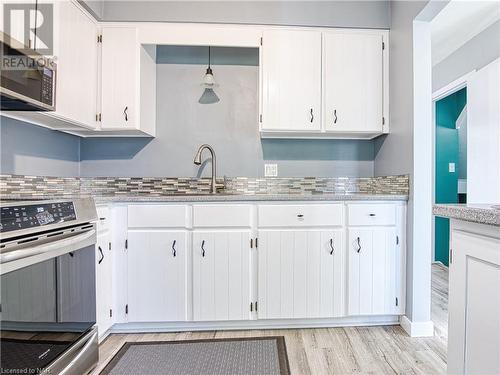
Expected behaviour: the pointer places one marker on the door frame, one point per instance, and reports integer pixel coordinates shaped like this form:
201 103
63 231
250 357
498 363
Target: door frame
443 92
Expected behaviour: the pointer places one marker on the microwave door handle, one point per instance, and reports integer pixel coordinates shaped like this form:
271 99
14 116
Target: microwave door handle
48 247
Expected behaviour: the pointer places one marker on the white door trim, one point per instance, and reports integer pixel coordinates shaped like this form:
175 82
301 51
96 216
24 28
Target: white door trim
437 95
452 87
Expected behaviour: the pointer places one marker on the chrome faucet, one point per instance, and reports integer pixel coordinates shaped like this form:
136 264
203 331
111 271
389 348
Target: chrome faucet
197 161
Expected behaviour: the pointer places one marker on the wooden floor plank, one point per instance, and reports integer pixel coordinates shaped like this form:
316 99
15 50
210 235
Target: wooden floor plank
349 350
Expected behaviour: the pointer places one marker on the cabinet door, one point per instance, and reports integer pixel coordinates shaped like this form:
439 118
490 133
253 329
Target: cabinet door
373 272
483 135
76 50
120 67
352 82
104 283
156 276
474 305
221 275
301 274
291 64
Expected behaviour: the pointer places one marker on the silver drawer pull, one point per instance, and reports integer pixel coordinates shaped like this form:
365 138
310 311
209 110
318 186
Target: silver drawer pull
372 215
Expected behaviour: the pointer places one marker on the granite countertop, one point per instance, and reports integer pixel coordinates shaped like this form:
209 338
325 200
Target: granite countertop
476 213
243 197
221 197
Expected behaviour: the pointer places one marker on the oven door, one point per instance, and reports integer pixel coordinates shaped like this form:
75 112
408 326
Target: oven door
48 304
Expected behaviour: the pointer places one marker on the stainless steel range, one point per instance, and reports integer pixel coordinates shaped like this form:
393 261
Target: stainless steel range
47 277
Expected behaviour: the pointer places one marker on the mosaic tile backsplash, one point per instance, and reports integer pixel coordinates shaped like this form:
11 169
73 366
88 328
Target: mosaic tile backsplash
19 185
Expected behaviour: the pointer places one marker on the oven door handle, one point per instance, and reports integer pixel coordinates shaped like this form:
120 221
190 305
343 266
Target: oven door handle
45 248
76 363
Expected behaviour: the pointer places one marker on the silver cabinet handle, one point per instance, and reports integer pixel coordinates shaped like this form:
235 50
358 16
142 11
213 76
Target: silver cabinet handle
203 248
312 115
125 113
331 246
334 116
359 245
174 252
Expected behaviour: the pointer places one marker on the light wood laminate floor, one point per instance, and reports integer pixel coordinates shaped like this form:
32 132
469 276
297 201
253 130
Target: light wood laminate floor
351 350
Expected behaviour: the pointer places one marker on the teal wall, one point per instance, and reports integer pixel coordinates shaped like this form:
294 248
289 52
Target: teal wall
447 151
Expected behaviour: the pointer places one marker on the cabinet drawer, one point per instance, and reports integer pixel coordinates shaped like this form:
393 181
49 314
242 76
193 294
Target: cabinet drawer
221 216
156 216
371 214
301 215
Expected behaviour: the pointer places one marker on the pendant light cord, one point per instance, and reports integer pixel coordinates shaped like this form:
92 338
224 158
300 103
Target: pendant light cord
209 57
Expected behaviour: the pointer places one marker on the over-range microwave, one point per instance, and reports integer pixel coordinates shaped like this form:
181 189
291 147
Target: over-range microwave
28 79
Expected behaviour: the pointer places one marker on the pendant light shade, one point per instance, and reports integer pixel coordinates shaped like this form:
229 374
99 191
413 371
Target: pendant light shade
209 96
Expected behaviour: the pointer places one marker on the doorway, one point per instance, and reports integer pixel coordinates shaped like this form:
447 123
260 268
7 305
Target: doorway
450 163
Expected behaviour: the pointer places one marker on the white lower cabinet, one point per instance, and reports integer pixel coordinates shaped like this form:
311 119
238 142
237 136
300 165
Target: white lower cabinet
301 273
372 283
156 275
221 275
226 262
474 304
104 283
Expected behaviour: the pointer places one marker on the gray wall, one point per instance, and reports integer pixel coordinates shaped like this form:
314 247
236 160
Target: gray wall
365 14
394 153
475 54
230 126
33 150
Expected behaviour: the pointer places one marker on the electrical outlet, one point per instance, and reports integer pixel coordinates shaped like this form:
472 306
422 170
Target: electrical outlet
451 167
271 170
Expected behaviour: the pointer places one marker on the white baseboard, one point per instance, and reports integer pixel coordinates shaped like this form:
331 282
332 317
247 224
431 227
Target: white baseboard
104 336
254 324
417 329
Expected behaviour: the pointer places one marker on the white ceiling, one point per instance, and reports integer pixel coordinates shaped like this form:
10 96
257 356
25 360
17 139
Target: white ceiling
459 22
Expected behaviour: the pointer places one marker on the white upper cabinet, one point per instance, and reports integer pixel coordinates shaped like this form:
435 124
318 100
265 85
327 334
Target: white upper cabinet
119 66
353 82
76 53
291 81
324 84
128 72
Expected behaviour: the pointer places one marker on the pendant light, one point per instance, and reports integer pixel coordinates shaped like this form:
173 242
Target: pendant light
209 96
